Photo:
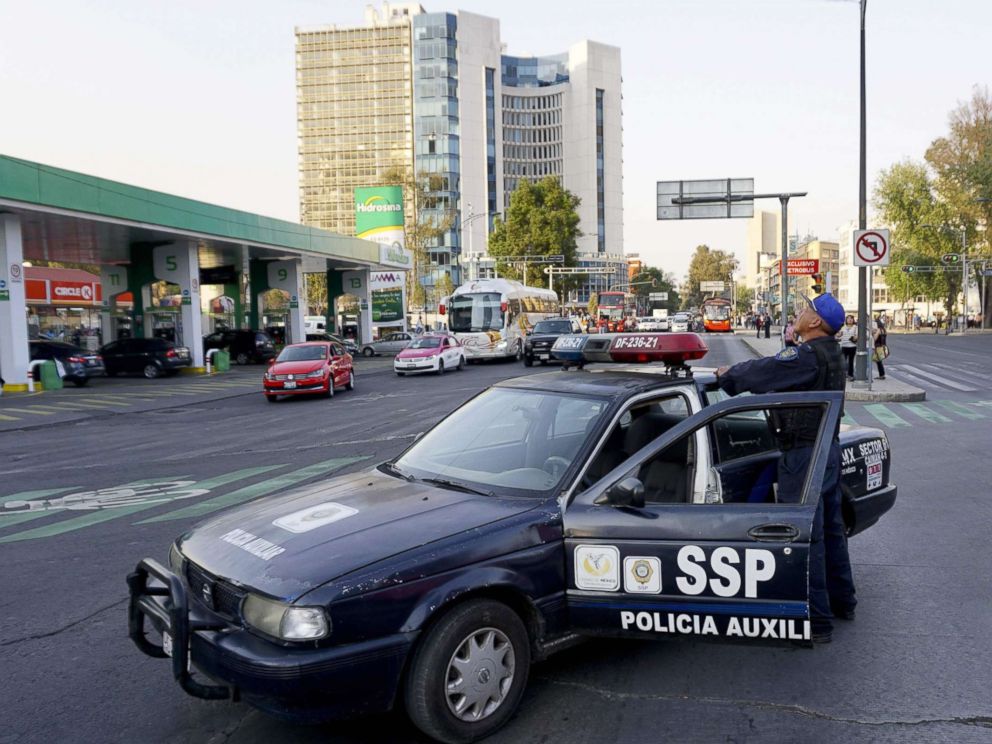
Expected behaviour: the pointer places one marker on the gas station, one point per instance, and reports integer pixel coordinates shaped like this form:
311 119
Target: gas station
167 266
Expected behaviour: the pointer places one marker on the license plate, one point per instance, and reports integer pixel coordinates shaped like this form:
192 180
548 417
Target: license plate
411 366
544 357
167 644
289 385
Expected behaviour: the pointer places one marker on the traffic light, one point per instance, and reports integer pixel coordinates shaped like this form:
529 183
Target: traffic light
817 283
950 258
909 269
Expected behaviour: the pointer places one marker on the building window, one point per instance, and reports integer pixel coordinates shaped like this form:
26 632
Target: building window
600 176
490 145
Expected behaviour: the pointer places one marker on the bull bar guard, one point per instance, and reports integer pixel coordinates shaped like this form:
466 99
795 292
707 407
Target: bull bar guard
170 615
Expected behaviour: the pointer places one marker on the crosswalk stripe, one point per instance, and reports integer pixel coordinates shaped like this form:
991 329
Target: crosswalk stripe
959 409
940 379
104 401
105 515
25 410
956 372
925 413
8 418
256 489
883 414
848 420
79 404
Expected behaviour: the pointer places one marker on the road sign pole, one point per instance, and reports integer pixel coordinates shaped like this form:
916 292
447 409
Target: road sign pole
964 276
784 200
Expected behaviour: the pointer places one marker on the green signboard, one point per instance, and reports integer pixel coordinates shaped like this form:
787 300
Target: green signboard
387 305
379 214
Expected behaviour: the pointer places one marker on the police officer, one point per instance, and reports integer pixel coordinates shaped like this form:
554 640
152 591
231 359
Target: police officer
815 364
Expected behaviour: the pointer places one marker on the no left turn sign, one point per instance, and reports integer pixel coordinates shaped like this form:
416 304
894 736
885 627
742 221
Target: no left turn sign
871 247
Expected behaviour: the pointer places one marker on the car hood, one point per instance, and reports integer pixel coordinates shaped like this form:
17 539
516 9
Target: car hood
552 337
287 545
295 368
418 353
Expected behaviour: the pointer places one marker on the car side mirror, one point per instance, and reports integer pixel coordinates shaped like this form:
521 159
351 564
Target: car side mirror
528 332
628 492
272 361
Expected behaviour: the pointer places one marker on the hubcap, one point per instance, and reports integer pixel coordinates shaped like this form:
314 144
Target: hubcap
480 674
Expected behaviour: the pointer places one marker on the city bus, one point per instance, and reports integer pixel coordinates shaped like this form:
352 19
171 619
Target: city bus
491 317
612 306
716 315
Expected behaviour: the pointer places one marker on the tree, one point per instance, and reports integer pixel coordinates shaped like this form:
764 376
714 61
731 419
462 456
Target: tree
660 281
444 285
315 288
593 306
962 164
707 265
745 299
542 220
427 218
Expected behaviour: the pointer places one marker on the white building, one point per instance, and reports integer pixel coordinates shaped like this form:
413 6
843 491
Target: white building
483 121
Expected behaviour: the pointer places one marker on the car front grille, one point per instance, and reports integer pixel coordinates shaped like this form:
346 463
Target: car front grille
215 594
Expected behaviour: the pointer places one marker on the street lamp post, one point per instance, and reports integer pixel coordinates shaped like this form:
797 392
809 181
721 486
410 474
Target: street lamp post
861 356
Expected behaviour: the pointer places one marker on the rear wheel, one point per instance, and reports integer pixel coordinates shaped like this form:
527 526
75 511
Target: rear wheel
468 674
151 371
271 398
368 352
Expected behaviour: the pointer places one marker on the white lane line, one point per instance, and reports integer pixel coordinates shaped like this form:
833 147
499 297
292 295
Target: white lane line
961 375
936 378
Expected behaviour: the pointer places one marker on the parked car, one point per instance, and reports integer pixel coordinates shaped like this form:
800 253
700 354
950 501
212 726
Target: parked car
431 353
349 344
539 341
79 365
392 343
314 368
244 346
152 357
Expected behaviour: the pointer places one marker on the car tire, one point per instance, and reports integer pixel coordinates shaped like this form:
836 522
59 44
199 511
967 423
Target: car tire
461 364
111 373
351 381
151 371
368 352
241 358
528 361
329 393
80 383
440 367
271 398
487 638
401 374
519 354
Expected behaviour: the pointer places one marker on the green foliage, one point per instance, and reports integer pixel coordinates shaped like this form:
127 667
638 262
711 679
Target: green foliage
745 299
444 285
542 220
593 306
706 265
315 291
661 281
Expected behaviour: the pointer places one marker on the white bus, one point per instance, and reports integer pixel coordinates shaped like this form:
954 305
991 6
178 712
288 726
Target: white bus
490 317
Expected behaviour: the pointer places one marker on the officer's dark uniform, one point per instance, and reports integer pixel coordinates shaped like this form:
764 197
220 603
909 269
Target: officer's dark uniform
813 365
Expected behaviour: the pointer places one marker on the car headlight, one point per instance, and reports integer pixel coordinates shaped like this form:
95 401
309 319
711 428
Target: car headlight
285 621
501 345
315 374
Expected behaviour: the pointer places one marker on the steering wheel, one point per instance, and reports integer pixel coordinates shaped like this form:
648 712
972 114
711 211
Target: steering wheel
556 466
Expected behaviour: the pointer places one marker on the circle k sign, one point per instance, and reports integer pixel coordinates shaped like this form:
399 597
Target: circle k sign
871 247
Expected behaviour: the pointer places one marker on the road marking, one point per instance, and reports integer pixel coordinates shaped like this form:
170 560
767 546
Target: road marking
925 413
8 520
936 378
104 401
883 414
256 489
959 409
25 410
99 515
85 406
848 420
8 418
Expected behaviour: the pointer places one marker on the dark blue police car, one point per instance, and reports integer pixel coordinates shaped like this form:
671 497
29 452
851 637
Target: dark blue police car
612 502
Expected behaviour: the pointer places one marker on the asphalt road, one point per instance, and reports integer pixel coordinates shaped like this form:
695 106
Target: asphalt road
914 666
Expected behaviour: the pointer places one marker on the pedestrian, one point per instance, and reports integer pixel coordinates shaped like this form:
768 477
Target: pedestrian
790 332
767 325
816 364
757 325
881 350
848 338
420 325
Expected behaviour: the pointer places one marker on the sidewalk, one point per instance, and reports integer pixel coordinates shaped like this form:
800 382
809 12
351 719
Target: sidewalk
881 390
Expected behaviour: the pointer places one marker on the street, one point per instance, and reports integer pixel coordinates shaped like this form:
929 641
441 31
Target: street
913 666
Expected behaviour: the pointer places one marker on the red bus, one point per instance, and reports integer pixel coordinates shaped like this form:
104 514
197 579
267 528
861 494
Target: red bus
716 315
611 311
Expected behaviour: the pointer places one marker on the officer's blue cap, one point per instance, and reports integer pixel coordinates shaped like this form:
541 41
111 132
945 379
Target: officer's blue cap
829 310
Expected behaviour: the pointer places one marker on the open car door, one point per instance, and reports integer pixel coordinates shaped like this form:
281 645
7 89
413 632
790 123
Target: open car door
639 563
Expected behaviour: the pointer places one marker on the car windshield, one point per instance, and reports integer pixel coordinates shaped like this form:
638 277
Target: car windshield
302 354
475 312
425 343
553 326
510 442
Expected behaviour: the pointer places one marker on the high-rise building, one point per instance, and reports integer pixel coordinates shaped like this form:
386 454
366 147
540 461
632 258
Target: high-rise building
435 93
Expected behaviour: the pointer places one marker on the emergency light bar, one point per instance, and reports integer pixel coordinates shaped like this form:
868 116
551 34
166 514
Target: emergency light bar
671 349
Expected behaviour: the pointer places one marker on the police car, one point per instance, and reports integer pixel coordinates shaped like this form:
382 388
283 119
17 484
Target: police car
614 501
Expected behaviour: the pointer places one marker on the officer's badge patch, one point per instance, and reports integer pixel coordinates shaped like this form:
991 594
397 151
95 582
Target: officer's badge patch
787 354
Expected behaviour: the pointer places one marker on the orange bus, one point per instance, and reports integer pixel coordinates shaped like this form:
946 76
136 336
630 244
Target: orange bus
716 315
611 311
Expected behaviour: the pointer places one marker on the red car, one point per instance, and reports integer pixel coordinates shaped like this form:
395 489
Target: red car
309 369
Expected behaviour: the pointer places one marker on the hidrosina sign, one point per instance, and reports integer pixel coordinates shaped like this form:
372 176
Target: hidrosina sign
379 214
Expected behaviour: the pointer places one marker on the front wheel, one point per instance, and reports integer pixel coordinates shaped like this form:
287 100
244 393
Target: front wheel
80 381
351 381
528 361
461 364
271 398
440 366
468 674
241 358
520 352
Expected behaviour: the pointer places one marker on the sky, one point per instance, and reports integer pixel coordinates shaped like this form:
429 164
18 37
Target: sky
198 98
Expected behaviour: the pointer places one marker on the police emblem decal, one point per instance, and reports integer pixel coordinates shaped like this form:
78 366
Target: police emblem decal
642 574
597 567
787 354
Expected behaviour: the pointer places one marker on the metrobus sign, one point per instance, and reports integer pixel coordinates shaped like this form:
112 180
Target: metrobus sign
801 266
